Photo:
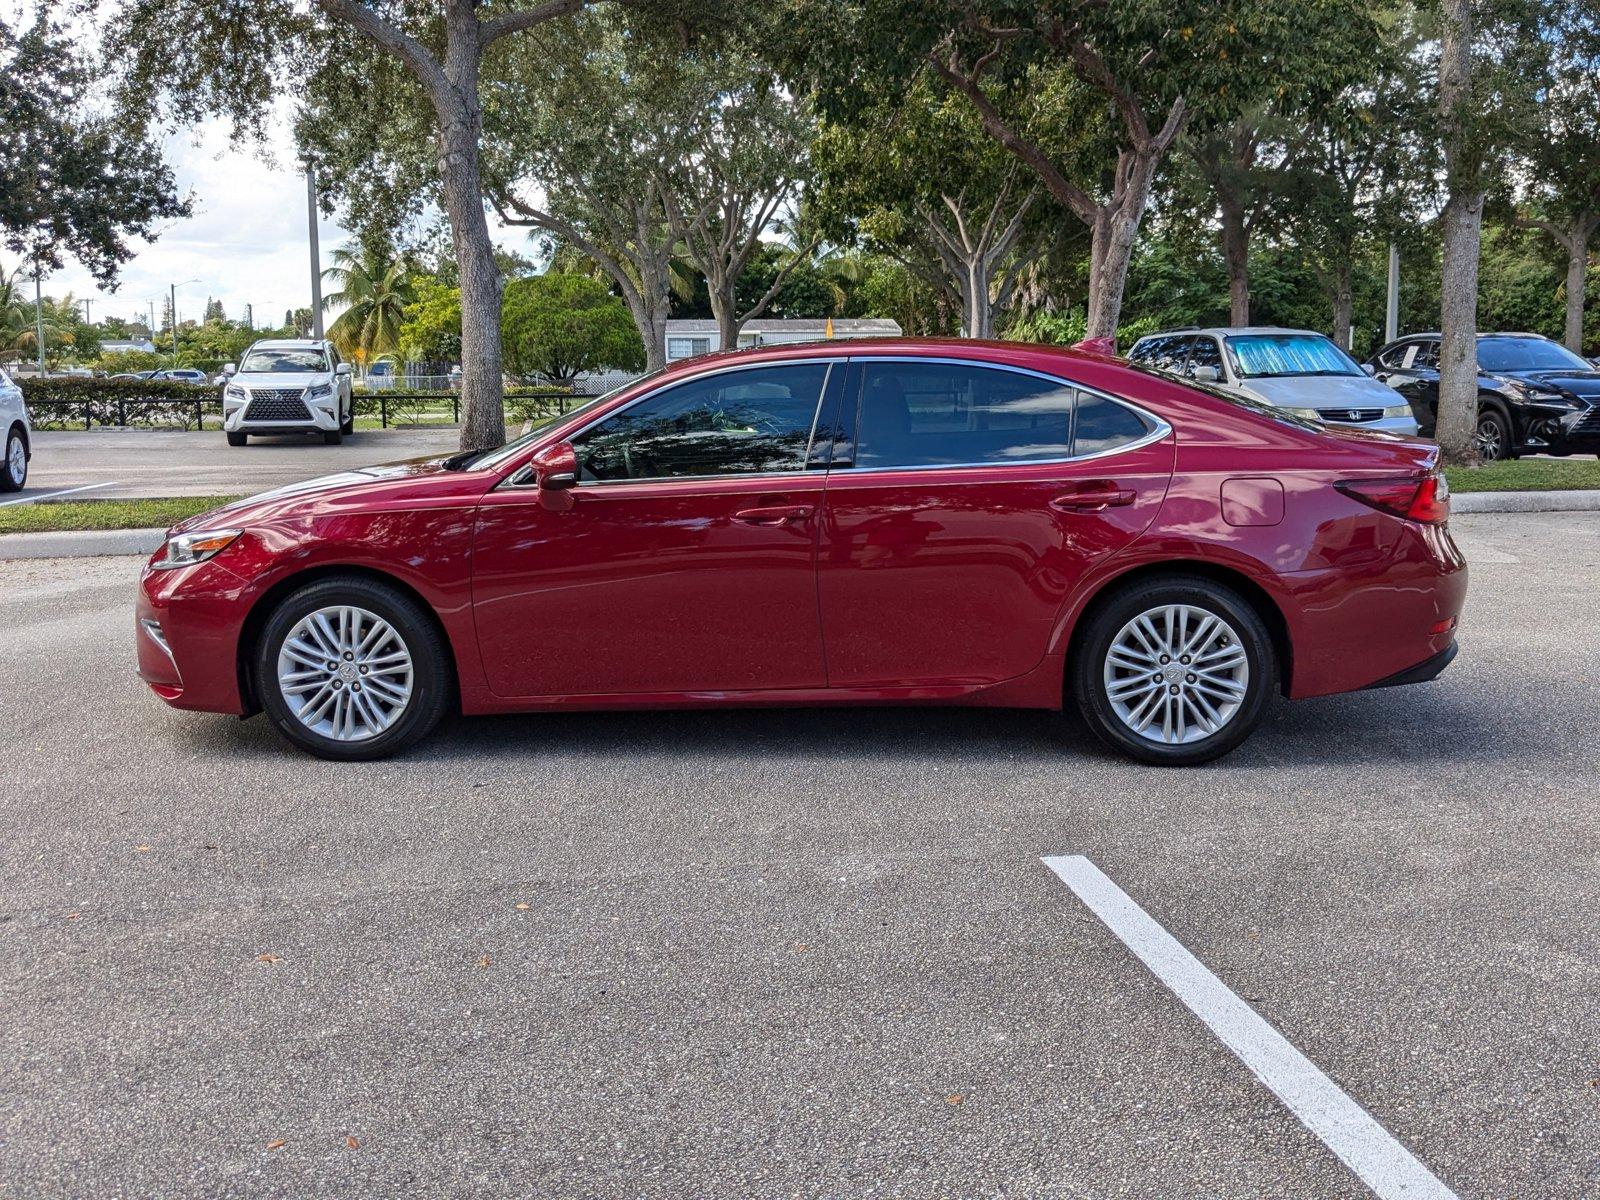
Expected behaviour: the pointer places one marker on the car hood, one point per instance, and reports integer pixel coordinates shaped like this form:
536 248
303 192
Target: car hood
1564 379
412 483
283 379
1322 391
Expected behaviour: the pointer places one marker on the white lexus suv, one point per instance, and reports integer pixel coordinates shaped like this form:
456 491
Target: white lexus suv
285 386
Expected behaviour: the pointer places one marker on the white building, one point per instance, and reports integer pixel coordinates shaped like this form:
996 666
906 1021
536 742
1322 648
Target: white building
690 339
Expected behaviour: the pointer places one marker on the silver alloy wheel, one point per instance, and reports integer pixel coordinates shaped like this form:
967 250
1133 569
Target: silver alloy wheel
1176 674
1489 438
16 459
345 673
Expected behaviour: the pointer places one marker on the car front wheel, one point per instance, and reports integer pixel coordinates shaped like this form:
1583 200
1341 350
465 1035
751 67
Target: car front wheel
1174 671
352 668
1494 436
14 471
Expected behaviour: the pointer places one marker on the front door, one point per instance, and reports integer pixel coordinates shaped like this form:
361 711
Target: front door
974 500
683 561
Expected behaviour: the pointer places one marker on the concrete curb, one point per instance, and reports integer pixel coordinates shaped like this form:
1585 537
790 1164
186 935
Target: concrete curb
1500 502
81 543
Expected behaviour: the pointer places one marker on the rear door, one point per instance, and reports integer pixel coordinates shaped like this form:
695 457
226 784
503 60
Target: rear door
964 503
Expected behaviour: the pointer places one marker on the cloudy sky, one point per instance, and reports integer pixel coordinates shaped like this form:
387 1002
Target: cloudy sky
246 242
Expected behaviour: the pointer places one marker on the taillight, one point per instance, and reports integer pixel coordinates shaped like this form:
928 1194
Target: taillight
1426 500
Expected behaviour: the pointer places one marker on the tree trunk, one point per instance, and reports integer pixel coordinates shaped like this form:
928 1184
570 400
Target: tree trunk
977 315
650 319
1343 304
1463 226
726 311
1236 253
1458 324
1577 281
483 418
1110 248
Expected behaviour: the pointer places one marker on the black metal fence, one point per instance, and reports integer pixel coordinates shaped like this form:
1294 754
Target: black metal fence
193 412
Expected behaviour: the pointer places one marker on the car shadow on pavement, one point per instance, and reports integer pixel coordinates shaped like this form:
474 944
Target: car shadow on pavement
1390 726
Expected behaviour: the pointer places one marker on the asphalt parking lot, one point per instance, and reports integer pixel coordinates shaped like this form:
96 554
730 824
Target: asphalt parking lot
796 953
108 464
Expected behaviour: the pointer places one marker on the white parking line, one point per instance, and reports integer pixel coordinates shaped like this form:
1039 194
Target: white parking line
51 495
1381 1162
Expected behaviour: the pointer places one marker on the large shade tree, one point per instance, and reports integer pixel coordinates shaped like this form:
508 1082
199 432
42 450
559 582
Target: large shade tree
427 79
1089 95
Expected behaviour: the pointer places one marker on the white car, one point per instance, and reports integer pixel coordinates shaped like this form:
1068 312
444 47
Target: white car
1294 369
285 386
19 438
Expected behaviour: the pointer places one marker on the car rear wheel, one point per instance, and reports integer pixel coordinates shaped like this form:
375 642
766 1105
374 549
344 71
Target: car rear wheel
1174 671
14 471
1494 436
351 668
238 439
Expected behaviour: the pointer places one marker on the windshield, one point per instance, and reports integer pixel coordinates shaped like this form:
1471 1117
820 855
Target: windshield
1527 354
1281 355
489 459
278 361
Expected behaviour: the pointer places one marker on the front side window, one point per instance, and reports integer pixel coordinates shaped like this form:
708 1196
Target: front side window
279 361
1281 355
1165 352
741 422
1206 353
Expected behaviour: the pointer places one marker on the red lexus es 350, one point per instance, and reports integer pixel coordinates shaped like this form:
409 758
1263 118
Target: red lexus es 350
868 523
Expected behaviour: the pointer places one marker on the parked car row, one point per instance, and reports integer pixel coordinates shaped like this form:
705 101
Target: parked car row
1534 395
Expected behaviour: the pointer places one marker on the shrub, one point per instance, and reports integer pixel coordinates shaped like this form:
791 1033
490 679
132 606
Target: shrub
64 403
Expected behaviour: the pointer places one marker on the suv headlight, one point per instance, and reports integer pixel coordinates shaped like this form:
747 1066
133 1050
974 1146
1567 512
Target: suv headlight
319 391
187 549
235 392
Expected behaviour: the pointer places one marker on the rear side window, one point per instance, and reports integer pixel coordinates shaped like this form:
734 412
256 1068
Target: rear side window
746 422
934 414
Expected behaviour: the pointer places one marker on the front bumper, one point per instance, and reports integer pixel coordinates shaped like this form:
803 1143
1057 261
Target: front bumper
322 416
1404 426
186 630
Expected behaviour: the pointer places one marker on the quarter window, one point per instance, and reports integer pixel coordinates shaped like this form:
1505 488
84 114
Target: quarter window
731 423
1104 425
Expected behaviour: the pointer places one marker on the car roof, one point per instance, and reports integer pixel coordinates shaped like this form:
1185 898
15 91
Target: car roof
1436 335
1231 331
289 344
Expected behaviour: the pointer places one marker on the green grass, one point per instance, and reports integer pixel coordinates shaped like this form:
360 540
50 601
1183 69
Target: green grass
1527 475
56 517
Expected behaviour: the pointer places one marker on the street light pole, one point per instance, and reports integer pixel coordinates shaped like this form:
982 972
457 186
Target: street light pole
174 324
1391 308
316 254
38 317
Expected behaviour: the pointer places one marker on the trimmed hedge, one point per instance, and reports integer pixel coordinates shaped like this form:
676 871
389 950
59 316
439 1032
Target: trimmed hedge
76 403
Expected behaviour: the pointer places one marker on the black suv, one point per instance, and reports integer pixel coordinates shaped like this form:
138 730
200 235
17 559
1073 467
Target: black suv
1534 395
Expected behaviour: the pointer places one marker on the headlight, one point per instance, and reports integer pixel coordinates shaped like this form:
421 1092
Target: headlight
235 392
320 392
186 549
1310 414
1527 391
1397 410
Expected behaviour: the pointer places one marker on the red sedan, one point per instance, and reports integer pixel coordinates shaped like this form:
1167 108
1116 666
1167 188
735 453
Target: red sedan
863 523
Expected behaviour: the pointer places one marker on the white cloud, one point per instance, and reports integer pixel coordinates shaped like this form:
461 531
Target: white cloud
246 243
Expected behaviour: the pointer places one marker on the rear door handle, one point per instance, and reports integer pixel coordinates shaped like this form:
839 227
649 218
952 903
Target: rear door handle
1093 497
774 514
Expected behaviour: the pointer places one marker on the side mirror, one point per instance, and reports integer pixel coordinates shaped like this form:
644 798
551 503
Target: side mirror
1369 369
556 467
229 370
342 369
1206 374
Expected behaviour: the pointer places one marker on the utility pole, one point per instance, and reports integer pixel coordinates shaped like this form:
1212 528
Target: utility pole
250 317
1391 309
316 254
86 302
174 322
38 317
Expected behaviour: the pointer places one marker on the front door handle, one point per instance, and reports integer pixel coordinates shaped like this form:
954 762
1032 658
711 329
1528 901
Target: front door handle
774 514
1094 496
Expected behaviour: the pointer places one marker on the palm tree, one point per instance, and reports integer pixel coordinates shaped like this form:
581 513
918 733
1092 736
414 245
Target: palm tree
19 325
374 289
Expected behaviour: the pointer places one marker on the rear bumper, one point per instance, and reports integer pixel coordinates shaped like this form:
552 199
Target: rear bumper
1429 668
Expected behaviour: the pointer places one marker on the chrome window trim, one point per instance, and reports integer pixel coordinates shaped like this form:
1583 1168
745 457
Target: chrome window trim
1159 429
830 362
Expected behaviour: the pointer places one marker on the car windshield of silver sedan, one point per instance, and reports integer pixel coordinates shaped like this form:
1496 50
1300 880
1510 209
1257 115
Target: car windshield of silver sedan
1285 355
283 362
1527 354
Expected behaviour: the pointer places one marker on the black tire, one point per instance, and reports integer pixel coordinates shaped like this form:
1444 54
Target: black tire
1494 435
432 682
331 437
348 425
15 461
1106 621
238 439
